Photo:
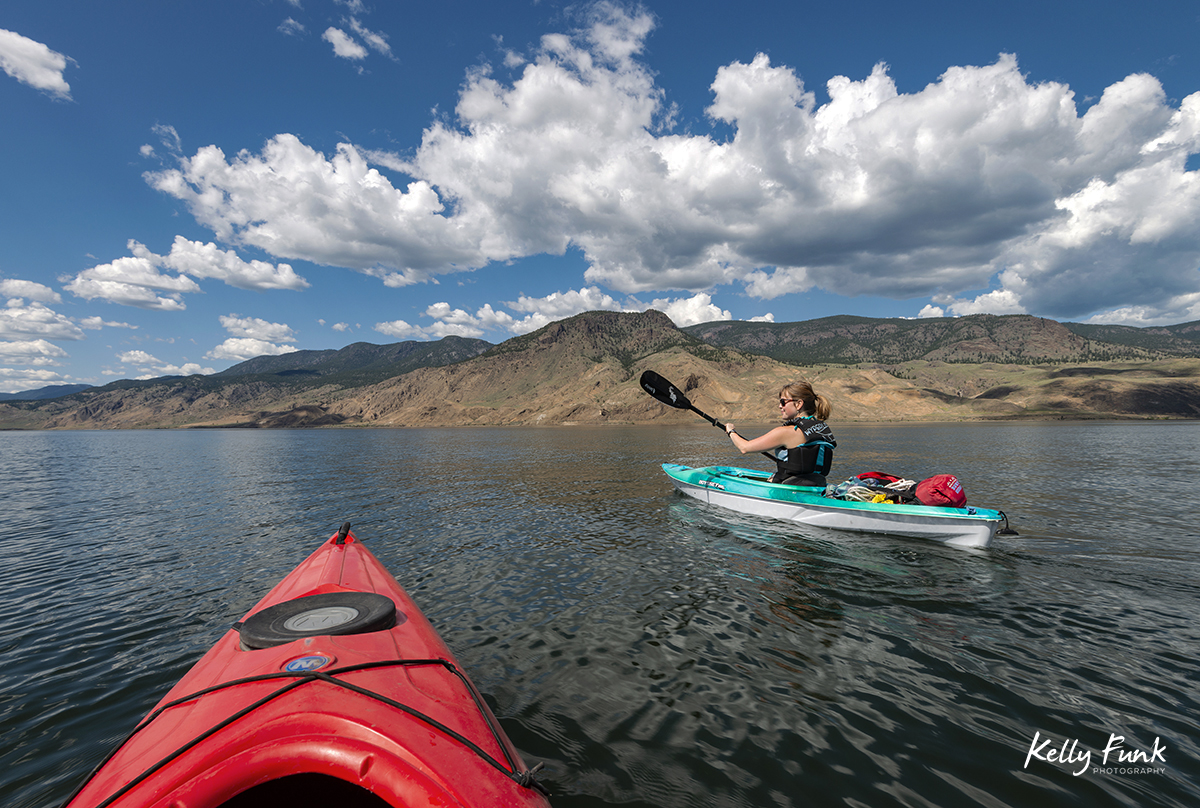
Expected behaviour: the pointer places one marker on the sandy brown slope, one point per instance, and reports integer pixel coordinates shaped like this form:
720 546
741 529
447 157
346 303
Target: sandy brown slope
605 392
585 370
174 403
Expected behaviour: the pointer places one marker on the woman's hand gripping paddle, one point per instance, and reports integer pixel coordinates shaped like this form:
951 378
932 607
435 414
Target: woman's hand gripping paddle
672 396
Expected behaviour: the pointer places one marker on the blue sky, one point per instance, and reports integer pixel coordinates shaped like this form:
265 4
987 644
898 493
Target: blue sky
186 185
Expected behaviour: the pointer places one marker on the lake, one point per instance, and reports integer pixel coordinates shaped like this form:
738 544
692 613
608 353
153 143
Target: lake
649 649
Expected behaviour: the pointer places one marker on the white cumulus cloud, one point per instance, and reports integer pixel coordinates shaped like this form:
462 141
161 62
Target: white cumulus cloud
983 180
252 336
241 349
96 323
542 311
402 330
290 27
150 367
343 44
134 281
31 290
375 40
691 311
31 352
208 261
33 63
20 320
18 380
257 328
28 330
138 279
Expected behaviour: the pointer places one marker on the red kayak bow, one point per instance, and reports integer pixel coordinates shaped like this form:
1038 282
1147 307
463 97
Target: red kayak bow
333 690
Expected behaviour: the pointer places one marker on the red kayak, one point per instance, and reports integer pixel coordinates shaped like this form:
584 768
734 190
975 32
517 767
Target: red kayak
333 690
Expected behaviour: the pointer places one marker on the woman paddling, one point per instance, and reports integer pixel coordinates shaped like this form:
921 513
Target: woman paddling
804 445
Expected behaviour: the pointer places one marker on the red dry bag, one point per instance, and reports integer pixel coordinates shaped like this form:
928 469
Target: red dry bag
943 490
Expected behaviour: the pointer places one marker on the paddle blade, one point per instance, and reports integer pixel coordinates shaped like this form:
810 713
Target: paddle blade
664 391
672 396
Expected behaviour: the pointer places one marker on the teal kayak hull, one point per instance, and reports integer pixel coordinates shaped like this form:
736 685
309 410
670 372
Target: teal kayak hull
750 491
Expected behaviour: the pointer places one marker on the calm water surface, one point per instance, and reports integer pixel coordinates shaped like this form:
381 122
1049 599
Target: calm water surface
651 650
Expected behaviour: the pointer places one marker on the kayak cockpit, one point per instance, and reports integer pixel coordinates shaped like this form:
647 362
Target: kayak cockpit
306 789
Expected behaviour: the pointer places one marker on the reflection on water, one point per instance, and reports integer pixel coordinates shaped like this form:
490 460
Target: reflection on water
652 650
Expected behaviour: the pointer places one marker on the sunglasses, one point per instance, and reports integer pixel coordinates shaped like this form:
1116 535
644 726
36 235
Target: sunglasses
783 401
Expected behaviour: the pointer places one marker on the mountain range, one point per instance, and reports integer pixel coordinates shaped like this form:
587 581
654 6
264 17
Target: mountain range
1011 339
584 370
360 363
41 393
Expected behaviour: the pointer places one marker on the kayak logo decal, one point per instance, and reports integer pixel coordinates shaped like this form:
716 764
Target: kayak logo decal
711 484
308 663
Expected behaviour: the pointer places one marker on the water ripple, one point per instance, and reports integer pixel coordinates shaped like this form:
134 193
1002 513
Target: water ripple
651 650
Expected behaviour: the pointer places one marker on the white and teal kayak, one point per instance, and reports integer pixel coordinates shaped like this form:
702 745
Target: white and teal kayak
750 491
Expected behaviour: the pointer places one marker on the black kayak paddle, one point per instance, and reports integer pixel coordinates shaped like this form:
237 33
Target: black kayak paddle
672 396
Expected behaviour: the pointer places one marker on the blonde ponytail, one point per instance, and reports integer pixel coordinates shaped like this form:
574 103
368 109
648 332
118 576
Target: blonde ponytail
822 408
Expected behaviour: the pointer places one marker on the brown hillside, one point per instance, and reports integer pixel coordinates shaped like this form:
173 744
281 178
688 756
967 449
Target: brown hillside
584 370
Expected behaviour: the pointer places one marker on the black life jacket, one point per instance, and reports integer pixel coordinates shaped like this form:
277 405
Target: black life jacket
809 462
